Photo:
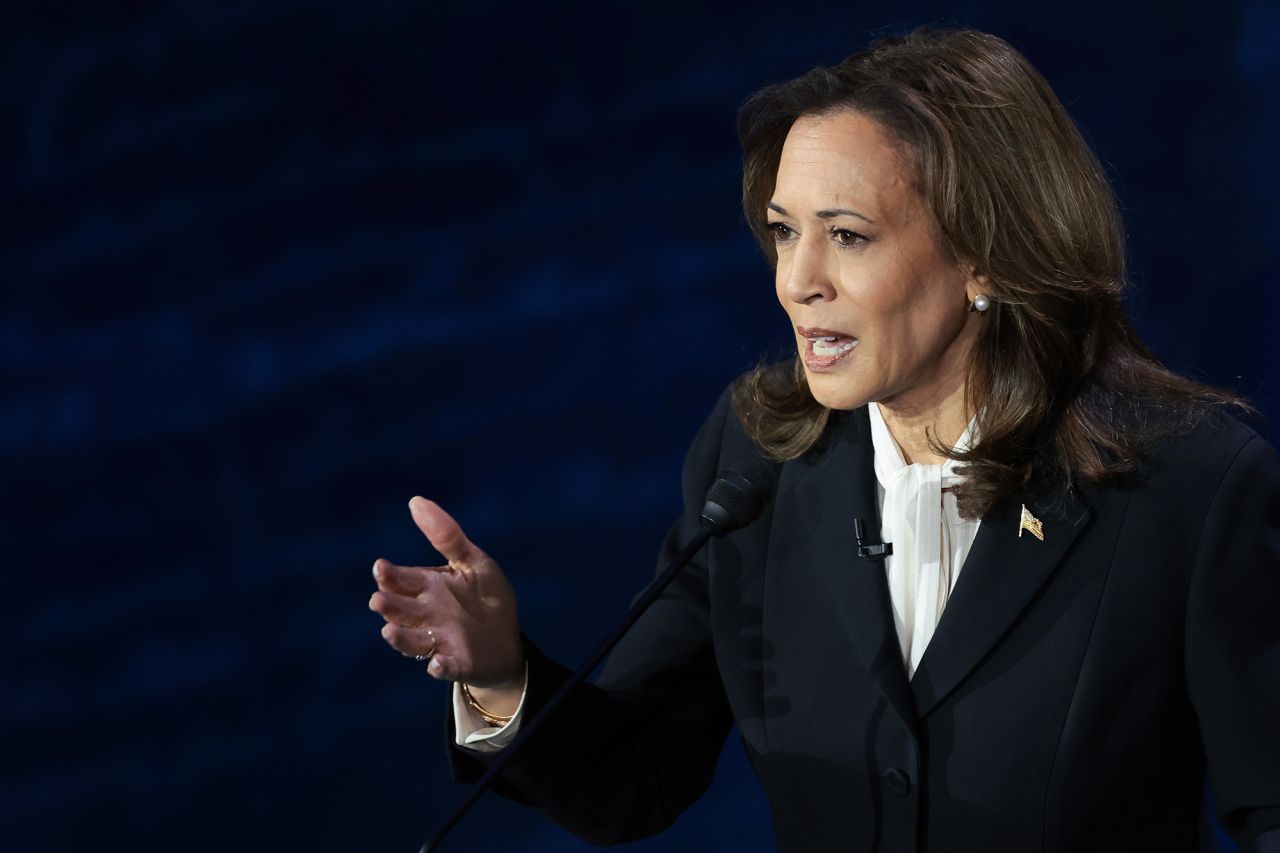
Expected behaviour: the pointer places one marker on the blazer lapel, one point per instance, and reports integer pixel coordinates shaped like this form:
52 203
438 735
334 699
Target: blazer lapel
999 578
832 490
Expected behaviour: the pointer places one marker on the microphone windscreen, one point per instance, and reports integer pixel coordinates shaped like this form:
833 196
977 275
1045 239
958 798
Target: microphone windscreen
738 496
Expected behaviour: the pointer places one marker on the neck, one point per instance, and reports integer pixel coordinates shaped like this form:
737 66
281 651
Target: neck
912 422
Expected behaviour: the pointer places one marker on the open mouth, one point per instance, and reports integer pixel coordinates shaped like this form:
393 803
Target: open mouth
832 345
825 349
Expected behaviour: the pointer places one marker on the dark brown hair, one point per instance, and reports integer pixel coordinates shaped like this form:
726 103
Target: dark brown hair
1060 382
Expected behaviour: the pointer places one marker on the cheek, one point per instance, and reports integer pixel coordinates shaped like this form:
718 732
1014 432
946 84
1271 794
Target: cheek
878 299
939 305
901 287
780 291
780 280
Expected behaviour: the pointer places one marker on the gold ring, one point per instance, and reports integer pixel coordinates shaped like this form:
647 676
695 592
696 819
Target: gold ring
432 650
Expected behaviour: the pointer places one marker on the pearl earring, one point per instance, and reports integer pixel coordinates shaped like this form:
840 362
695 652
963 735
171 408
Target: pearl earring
980 303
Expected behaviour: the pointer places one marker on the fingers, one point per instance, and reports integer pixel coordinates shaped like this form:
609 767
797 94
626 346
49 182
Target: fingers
404 580
411 641
443 532
410 611
443 667
404 600
414 642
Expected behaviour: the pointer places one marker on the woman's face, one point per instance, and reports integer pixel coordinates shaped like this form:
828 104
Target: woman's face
878 312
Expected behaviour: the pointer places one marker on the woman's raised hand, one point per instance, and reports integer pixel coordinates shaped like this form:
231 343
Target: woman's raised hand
468 606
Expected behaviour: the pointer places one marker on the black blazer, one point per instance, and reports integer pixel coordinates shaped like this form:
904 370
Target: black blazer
1072 697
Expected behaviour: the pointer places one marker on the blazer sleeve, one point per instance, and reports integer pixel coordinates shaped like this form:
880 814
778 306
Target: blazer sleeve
622 758
1233 645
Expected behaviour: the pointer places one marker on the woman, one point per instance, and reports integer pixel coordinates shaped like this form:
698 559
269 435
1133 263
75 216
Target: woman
1075 621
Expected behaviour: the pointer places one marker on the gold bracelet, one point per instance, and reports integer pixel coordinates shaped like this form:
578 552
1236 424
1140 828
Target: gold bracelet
490 718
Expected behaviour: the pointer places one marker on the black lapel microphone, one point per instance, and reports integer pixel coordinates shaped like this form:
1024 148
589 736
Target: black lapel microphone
874 551
735 499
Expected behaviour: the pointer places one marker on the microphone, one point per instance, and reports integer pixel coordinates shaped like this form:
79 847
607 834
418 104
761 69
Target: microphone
735 499
738 497
870 552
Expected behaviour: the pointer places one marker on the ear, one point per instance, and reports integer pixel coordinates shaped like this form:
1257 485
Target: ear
976 283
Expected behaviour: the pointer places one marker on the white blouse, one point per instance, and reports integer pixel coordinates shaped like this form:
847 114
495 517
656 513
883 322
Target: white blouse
930 542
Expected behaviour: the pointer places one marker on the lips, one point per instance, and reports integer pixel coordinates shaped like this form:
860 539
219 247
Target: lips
826 347
806 332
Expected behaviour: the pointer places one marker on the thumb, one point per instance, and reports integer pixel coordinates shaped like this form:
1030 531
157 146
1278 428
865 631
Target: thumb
443 532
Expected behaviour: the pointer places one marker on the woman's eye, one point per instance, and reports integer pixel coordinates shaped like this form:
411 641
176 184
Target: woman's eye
845 237
781 231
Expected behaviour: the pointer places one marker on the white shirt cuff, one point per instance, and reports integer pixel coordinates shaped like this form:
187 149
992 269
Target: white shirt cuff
472 732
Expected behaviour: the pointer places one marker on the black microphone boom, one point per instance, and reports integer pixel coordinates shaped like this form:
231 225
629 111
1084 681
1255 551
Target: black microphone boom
735 499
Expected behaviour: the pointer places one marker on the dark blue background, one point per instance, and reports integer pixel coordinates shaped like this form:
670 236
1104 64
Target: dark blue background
272 268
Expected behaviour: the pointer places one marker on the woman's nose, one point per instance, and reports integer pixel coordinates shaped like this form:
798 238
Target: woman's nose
808 276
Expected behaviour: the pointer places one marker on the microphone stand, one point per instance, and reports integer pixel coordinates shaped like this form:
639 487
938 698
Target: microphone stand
526 729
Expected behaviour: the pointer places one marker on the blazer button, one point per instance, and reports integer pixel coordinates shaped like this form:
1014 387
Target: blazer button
898 782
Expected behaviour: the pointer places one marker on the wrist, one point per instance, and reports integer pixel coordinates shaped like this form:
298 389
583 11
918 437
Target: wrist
514 680
496 705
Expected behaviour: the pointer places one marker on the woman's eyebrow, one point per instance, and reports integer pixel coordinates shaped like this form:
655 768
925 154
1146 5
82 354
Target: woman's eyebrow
824 214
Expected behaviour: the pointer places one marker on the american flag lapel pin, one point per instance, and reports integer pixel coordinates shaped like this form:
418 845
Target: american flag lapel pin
1031 524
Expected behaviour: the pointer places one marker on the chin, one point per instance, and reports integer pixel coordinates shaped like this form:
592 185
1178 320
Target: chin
837 392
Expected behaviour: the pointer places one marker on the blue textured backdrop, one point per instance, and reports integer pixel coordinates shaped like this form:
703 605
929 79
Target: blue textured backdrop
273 268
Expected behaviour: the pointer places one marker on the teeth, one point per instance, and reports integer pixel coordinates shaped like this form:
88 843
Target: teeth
823 346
